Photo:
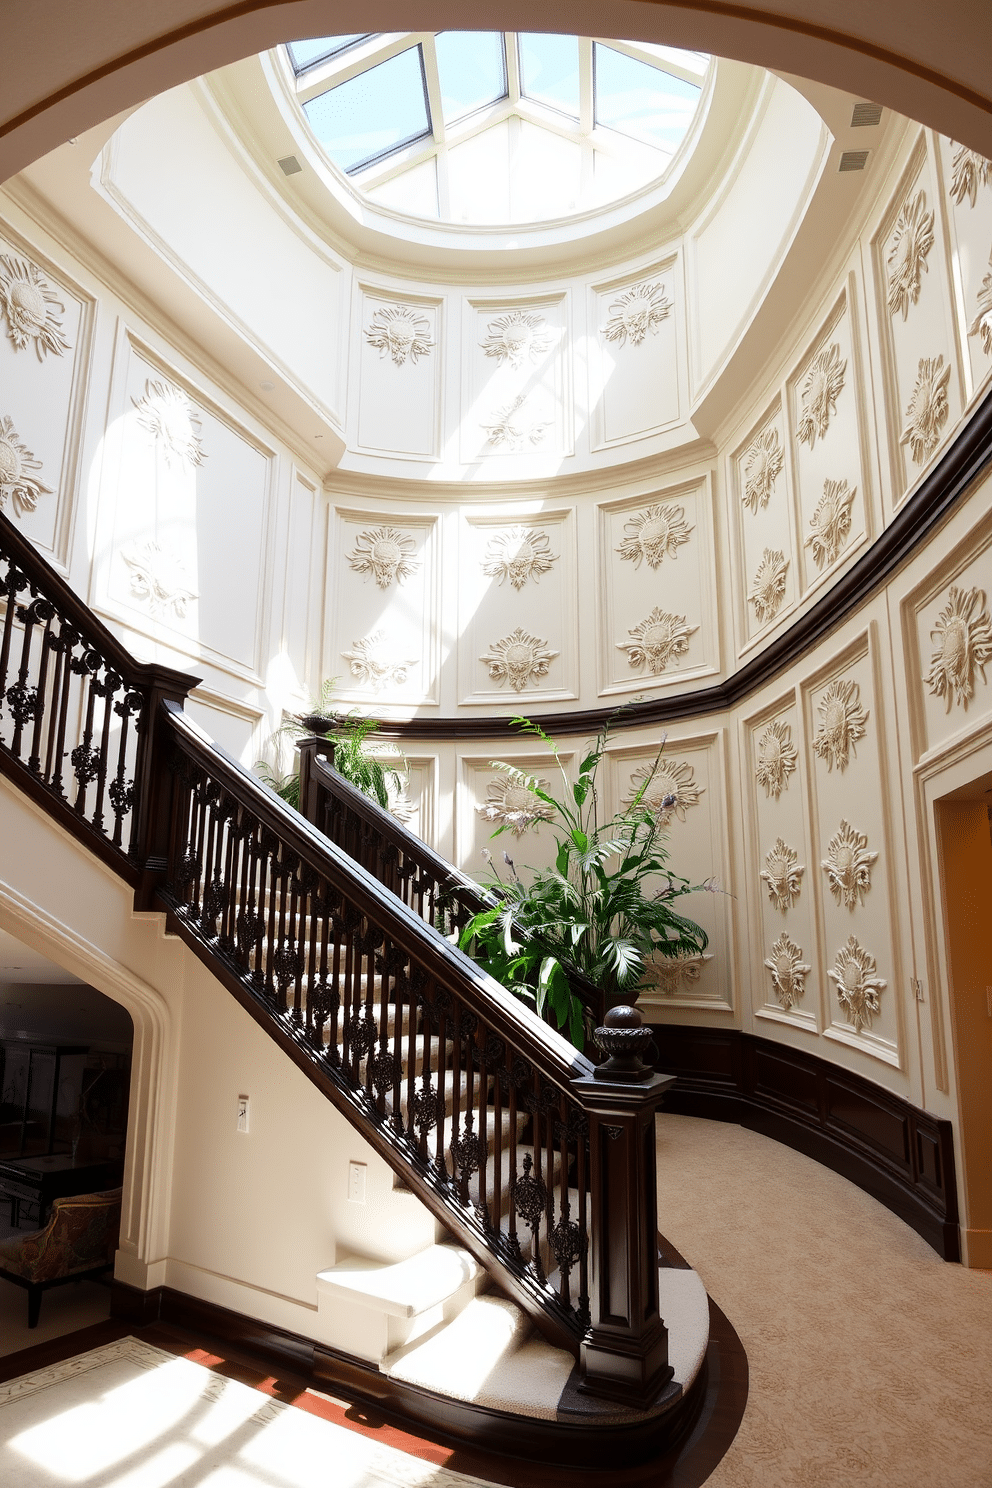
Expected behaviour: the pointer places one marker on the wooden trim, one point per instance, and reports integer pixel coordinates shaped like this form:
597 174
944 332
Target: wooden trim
910 530
712 1409
902 1156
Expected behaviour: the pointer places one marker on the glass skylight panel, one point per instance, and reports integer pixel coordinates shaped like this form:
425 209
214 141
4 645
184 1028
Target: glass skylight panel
374 113
640 100
304 54
472 70
549 70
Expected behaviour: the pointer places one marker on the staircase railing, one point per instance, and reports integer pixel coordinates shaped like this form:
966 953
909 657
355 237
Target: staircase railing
541 1164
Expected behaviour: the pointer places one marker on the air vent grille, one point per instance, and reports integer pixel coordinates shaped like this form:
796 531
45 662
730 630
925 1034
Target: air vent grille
853 160
290 165
866 115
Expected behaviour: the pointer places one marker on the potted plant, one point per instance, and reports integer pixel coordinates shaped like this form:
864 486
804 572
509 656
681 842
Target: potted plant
605 908
352 759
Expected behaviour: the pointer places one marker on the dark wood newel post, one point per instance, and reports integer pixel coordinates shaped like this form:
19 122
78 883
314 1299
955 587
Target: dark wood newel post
315 745
153 778
624 1355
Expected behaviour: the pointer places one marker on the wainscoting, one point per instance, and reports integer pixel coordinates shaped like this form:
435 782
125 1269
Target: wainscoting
902 1156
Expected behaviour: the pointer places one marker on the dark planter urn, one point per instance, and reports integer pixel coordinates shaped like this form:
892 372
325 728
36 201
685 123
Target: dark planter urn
624 1040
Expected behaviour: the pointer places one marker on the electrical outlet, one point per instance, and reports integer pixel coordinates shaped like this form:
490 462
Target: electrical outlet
243 1114
357 1174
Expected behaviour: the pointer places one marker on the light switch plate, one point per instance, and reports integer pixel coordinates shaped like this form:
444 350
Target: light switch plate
357 1174
243 1114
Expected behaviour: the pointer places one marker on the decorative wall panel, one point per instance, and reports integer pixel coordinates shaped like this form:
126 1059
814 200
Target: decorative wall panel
966 194
829 468
517 394
397 375
657 582
517 609
765 519
636 333
486 800
384 626
44 355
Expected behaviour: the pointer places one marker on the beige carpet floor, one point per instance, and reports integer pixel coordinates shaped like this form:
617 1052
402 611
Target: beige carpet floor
870 1358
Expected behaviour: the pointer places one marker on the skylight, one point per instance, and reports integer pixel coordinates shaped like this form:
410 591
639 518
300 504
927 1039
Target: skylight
492 127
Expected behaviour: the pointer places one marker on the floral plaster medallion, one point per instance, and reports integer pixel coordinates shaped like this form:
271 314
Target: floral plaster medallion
386 554
830 524
926 413
848 865
373 664
518 658
654 534
982 323
858 988
844 723
636 312
18 483
172 421
517 336
657 641
768 585
763 463
31 308
823 386
782 874
789 971
400 332
969 170
157 577
912 239
674 974
506 429
518 554
962 636
776 759
510 803
671 792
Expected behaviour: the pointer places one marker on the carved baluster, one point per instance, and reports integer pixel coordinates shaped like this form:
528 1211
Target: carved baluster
582 1183
43 611
64 645
24 701
496 1066
336 975
11 587
444 1075
121 790
105 687
85 760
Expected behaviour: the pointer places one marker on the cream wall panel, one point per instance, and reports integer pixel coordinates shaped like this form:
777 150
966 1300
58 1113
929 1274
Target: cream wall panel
414 801
528 846
967 204
235 727
764 518
515 388
657 586
396 371
636 329
383 639
303 586
517 575
42 392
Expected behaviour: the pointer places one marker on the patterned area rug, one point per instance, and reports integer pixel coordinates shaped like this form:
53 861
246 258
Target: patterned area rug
138 1417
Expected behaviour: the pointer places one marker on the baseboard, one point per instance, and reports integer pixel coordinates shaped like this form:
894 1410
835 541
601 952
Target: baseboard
902 1156
456 1423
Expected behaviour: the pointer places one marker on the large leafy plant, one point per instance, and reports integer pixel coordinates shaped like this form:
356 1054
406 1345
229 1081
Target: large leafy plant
606 907
348 732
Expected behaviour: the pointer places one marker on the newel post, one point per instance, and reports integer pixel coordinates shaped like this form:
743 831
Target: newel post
154 779
313 747
624 1355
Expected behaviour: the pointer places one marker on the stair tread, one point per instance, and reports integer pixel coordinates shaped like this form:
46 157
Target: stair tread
401 1288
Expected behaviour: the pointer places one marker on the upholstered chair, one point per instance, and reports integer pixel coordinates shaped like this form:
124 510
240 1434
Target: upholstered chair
77 1243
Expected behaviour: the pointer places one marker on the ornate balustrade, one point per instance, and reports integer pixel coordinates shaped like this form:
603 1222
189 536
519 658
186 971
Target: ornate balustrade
76 710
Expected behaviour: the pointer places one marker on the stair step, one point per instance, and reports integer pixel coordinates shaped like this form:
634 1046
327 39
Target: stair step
404 1289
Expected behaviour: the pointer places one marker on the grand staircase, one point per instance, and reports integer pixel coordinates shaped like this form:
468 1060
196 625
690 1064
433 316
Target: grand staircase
335 929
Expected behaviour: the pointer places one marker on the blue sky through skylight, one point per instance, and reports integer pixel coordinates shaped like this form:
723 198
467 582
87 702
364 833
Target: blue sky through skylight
305 53
549 70
472 70
641 100
377 111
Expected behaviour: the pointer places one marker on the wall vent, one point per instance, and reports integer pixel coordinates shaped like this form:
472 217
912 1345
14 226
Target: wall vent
866 115
853 160
290 165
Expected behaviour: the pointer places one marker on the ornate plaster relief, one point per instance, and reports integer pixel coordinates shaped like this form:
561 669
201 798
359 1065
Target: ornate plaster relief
927 410
510 803
982 323
912 239
963 646
776 759
858 987
655 534
789 971
673 789
657 641
398 331
386 554
675 974
969 170
830 524
844 723
518 658
374 665
516 337
518 553
157 577
636 312
506 429
848 865
172 421
18 483
763 461
768 585
782 874
823 386
32 311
